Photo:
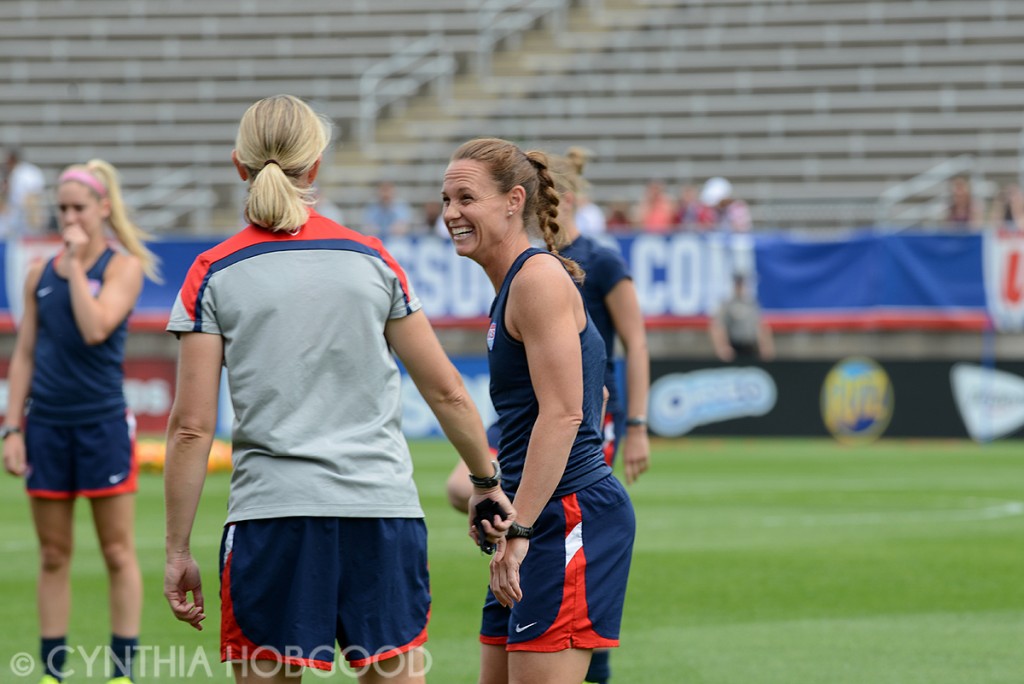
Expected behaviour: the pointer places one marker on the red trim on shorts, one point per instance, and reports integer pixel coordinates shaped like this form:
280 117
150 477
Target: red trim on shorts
235 646
419 640
48 494
572 627
129 485
493 640
609 443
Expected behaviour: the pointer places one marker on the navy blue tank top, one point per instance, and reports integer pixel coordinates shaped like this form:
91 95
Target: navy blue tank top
515 401
605 268
74 383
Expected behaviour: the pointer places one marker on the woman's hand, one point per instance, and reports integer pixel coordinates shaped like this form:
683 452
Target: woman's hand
14 454
181 576
494 528
636 452
75 240
505 570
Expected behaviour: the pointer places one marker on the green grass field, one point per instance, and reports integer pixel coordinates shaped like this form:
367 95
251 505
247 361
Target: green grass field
757 562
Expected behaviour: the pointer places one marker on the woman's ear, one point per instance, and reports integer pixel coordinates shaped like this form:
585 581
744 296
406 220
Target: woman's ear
243 173
314 170
516 199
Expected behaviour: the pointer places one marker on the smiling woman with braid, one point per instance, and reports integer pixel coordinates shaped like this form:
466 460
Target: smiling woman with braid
558 582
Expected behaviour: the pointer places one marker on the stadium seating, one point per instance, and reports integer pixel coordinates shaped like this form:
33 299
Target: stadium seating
810 101
825 102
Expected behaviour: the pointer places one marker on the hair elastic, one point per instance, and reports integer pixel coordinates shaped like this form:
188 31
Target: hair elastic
270 161
85 178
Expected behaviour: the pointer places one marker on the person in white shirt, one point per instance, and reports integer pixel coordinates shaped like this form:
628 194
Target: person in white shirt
24 184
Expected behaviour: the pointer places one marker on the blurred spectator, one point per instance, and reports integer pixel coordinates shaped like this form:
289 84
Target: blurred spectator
24 209
720 209
589 218
618 219
387 216
964 211
432 220
1008 208
688 209
737 331
655 213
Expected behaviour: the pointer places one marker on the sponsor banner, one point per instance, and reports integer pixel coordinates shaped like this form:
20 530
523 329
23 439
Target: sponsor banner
861 280
679 402
1004 279
855 399
991 401
675 275
871 271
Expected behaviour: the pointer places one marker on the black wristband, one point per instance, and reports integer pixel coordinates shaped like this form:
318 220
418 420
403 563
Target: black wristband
517 530
487 482
636 421
8 430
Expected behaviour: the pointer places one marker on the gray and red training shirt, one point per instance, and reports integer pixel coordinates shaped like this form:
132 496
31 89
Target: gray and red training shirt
315 389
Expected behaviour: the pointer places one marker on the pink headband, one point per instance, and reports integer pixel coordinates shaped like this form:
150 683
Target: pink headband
85 178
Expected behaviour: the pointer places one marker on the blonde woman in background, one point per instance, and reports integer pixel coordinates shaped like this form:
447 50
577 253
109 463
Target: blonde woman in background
67 427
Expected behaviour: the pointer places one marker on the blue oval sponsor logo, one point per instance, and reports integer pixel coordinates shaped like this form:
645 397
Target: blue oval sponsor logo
857 400
680 402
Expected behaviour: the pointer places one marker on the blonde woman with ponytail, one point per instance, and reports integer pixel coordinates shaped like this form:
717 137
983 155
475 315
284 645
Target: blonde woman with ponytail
68 429
324 540
558 582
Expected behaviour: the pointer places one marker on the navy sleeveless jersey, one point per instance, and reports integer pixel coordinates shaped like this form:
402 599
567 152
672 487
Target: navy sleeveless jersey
605 268
74 383
514 399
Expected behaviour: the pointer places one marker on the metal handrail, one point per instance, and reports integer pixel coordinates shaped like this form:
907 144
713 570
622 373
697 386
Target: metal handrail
161 206
499 19
401 76
887 213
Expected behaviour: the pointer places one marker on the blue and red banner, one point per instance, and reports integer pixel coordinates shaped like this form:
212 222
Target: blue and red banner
862 280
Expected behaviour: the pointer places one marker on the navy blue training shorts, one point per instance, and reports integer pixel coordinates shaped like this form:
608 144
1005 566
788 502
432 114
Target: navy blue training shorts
92 460
573 577
291 587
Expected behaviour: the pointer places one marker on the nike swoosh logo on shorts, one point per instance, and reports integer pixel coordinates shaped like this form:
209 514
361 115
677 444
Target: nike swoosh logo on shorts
524 628
114 479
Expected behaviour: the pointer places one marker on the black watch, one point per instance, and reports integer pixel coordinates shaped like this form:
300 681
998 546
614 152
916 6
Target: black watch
517 530
8 430
487 482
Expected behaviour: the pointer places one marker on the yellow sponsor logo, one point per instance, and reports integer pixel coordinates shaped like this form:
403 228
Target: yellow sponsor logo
856 400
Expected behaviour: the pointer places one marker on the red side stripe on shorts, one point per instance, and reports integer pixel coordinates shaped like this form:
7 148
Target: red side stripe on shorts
47 494
235 646
572 627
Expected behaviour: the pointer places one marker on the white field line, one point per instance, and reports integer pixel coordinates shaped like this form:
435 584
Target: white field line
993 511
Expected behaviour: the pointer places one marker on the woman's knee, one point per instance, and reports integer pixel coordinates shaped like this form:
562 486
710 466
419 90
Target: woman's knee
54 555
118 555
